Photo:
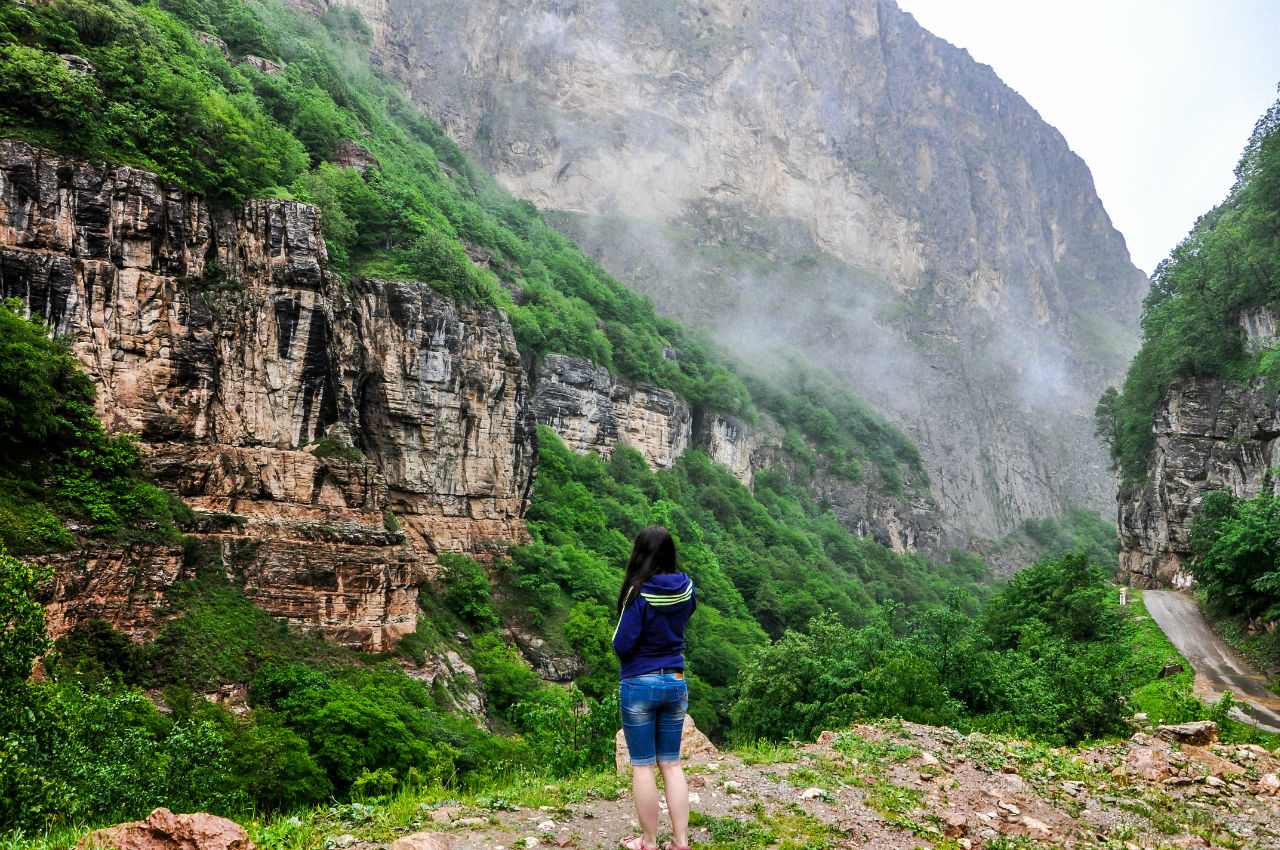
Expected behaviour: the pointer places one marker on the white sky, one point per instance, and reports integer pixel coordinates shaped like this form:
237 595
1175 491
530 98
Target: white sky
1157 96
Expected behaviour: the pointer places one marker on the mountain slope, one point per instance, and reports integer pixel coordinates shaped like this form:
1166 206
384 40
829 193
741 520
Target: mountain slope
830 179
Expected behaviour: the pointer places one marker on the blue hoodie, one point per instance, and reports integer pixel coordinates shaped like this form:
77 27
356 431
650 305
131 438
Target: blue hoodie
650 633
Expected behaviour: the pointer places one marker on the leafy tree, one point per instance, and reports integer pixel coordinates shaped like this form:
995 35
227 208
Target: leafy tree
23 639
43 393
1236 548
1065 596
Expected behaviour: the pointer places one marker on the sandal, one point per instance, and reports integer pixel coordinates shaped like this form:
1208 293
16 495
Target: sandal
667 845
635 842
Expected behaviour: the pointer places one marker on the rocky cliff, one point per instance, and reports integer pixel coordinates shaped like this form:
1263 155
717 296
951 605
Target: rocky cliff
824 177
594 411
1210 435
331 439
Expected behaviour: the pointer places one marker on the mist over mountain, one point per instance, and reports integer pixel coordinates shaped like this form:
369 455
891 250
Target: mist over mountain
827 181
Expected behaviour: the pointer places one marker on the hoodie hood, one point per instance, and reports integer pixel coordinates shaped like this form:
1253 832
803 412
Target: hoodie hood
669 593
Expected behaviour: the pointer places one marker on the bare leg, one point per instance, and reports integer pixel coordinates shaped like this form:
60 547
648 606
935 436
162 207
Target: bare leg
644 788
677 801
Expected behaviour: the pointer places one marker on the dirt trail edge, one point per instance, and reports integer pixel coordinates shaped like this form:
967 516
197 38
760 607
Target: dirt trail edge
902 786
1216 666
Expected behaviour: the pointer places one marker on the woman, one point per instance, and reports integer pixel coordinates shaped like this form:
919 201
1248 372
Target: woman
653 609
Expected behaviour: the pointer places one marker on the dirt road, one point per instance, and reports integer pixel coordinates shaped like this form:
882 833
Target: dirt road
1216 666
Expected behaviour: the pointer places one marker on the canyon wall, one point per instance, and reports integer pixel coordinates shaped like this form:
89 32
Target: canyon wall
825 179
331 439
1211 434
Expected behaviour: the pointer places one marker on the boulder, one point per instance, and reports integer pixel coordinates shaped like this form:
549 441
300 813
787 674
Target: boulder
694 746
77 64
1170 670
1148 763
163 830
1198 733
1216 764
262 65
423 841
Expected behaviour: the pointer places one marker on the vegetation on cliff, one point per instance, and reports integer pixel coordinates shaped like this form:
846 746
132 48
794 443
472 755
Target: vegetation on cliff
1236 544
163 95
87 744
764 562
1191 318
57 465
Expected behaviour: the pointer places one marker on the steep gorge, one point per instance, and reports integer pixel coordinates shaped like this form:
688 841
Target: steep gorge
332 438
828 179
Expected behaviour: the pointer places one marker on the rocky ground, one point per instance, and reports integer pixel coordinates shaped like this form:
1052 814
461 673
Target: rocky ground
891 785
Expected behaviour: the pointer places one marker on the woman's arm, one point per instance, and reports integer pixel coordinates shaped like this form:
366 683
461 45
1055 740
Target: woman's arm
628 631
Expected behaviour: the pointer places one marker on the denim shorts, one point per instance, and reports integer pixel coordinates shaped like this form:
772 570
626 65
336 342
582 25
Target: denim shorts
653 708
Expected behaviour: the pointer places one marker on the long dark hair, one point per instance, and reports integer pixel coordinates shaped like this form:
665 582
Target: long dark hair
654 552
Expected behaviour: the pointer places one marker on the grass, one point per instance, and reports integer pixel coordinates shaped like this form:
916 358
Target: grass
384 819
1167 700
767 752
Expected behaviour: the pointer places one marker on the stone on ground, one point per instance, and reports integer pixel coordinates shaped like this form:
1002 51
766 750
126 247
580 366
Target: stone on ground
423 841
1198 733
163 830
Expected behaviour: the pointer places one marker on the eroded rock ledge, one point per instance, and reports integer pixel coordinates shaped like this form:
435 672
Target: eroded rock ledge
222 340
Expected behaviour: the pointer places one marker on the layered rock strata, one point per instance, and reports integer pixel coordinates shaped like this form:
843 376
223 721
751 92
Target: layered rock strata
593 411
331 440
1210 435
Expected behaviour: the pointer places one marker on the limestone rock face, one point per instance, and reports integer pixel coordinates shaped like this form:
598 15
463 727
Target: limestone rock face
105 582
741 446
910 523
1210 435
593 411
293 414
827 179
550 666
349 154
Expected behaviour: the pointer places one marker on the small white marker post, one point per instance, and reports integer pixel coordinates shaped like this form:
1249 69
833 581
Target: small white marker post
1124 596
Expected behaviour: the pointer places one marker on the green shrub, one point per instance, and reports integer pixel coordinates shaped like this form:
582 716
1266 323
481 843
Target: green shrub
331 448
94 651
507 678
55 459
1045 658
1236 547
466 589
22 640
568 733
